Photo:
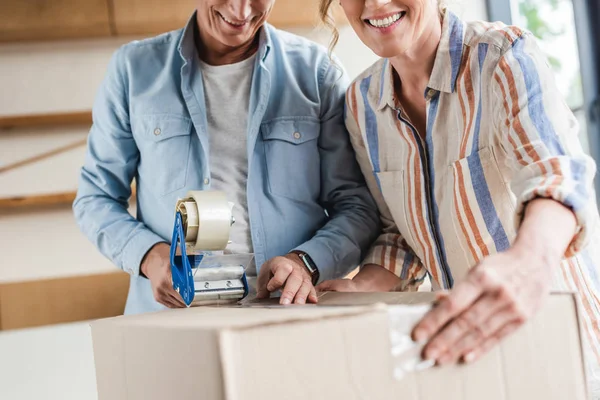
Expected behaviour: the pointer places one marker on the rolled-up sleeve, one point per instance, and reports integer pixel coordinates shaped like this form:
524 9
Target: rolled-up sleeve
539 135
389 250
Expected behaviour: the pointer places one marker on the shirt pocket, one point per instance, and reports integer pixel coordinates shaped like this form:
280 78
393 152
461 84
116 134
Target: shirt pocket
164 143
394 189
483 206
292 158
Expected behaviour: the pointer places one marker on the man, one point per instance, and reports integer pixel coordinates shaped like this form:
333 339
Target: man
227 103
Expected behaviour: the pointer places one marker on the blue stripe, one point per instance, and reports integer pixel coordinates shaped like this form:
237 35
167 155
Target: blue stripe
478 181
535 99
382 80
448 281
577 199
408 260
371 128
456 47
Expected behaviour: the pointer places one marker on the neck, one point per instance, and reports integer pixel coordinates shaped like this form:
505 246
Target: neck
215 53
414 67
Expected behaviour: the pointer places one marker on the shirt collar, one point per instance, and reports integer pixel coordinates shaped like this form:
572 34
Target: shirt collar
187 46
445 68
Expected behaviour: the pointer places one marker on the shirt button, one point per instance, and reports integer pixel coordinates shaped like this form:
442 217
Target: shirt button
157 131
206 181
297 135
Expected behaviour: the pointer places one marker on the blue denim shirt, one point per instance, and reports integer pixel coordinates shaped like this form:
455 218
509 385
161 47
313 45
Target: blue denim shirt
305 192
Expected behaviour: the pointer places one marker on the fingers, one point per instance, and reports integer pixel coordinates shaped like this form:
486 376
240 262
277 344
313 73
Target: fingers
293 282
455 303
167 298
264 276
337 285
312 296
280 272
444 342
325 286
491 341
303 292
479 333
166 295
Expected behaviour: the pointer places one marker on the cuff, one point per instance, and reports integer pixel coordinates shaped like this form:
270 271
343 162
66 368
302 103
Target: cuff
136 248
322 257
584 209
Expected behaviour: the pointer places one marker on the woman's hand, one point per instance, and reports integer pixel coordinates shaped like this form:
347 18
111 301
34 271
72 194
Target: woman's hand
338 285
501 293
497 297
370 278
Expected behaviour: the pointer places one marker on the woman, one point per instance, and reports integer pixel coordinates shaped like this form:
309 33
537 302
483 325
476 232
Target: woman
475 164
230 103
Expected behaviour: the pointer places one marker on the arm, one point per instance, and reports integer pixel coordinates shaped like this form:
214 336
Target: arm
111 161
552 180
342 243
390 263
353 224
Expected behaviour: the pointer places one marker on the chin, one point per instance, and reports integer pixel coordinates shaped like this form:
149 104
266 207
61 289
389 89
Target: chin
387 51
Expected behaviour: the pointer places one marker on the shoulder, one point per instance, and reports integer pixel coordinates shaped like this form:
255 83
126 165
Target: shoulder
368 83
293 44
139 52
299 53
500 36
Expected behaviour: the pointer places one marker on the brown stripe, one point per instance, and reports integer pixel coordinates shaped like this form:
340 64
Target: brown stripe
467 81
470 218
507 122
409 185
515 112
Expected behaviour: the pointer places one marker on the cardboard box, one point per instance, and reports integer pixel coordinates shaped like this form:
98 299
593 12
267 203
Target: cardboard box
41 302
340 349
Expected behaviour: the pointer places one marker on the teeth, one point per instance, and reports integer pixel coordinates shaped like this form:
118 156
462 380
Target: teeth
231 22
385 22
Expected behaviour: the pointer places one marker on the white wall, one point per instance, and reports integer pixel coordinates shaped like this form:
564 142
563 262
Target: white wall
64 77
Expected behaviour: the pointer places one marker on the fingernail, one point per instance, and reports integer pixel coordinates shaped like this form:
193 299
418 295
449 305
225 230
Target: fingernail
469 357
420 335
432 354
285 301
443 360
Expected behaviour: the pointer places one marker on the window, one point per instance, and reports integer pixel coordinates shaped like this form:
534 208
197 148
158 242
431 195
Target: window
564 29
553 23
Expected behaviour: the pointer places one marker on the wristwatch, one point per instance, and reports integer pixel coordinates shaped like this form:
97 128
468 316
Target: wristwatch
309 264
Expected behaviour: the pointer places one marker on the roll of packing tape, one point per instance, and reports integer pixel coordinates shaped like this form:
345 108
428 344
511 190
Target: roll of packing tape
213 214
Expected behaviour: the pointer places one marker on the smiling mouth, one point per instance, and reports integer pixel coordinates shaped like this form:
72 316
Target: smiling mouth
386 22
237 24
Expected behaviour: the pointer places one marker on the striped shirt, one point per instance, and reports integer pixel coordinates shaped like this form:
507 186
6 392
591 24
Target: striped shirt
498 135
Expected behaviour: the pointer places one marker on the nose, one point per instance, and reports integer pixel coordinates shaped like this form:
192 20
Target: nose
241 9
375 4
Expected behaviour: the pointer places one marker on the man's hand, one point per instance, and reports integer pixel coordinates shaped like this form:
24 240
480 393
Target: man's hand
156 266
289 274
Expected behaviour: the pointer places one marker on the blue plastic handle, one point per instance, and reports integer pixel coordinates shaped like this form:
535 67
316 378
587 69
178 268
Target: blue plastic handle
181 270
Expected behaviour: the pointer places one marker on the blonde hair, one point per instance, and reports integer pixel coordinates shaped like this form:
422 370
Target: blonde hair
328 20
